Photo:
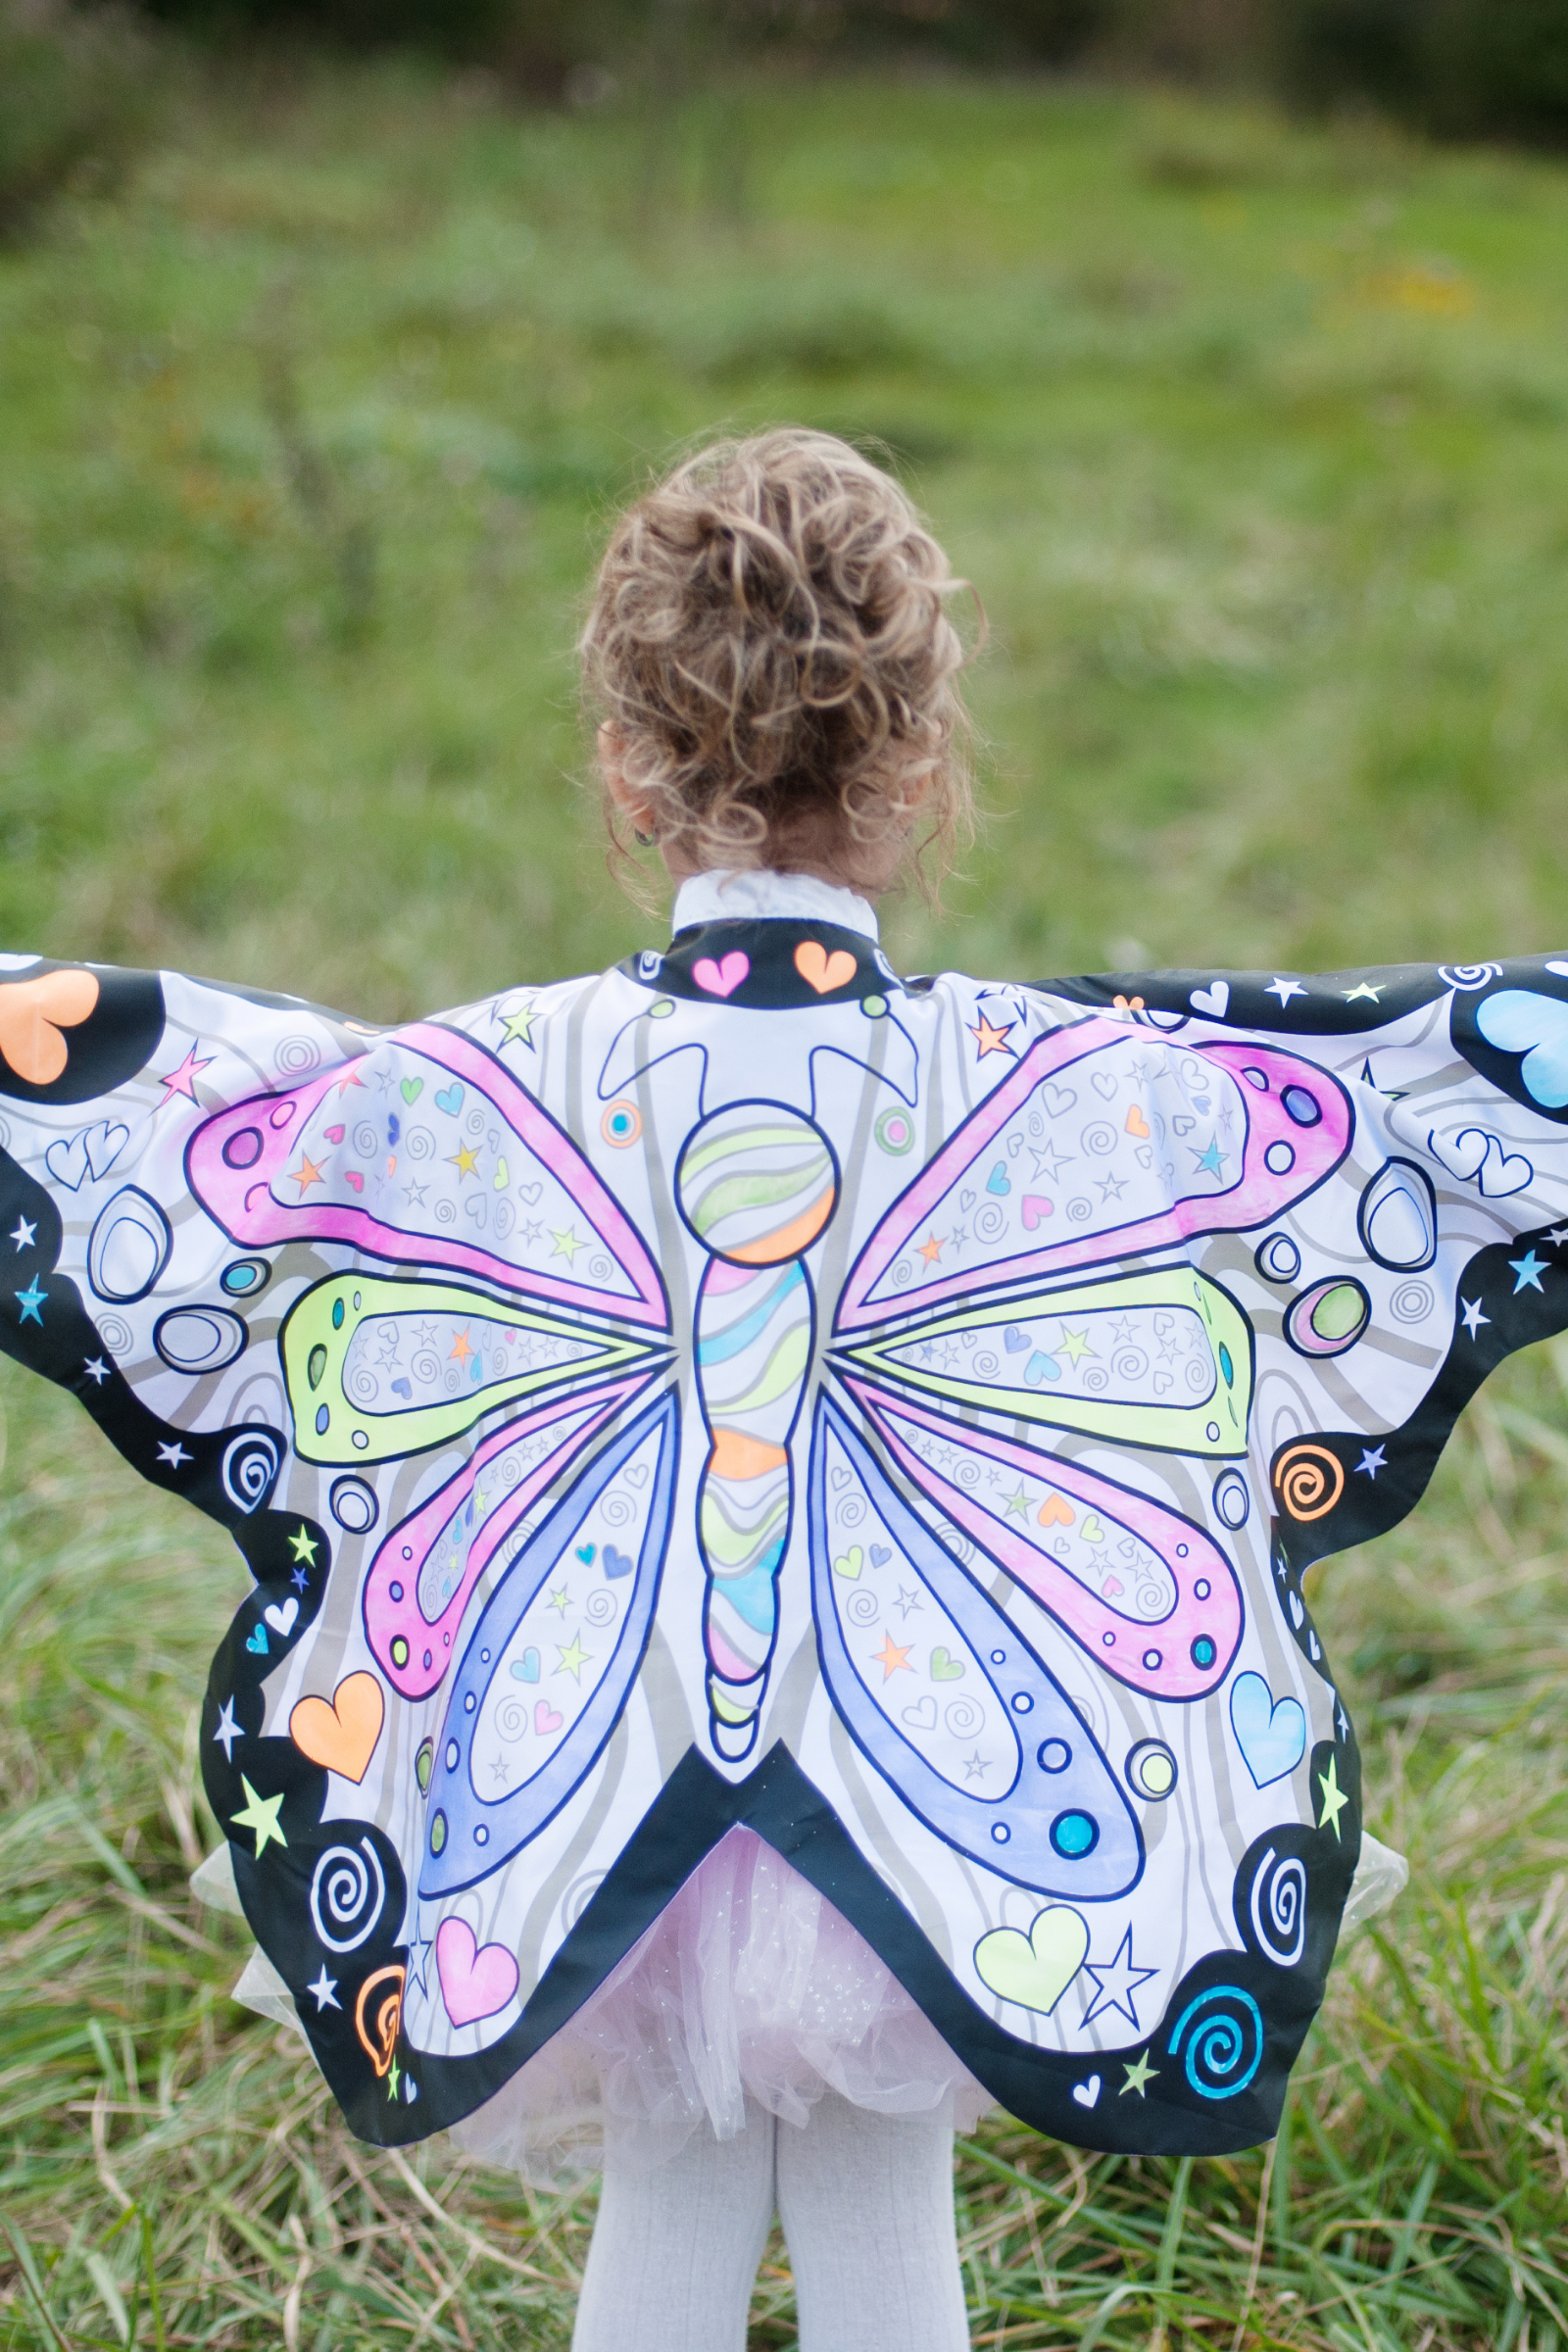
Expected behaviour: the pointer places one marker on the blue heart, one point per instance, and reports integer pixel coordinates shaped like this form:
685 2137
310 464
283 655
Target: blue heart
449 1099
585 1553
257 1642
1040 1368
403 1387
526 1668
1516 1021
616 1563
999 1179
1270 1733
1014 1340
881 1554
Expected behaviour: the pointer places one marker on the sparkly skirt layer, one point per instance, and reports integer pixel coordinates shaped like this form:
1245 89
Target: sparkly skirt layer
749 1982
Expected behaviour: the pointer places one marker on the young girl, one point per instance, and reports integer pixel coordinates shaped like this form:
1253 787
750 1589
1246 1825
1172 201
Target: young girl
778 1492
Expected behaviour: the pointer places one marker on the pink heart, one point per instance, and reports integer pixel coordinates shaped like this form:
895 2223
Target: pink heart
353 1176
724 978
1034 1208
475 1983
334 1135
545 1719
1111 1588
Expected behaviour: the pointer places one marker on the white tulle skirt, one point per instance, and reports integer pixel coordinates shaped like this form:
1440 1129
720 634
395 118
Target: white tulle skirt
749 1982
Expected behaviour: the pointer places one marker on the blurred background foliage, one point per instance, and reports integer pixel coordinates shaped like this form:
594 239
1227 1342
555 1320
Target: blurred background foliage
324 363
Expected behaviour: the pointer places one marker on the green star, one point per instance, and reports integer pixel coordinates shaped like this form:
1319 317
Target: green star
519 1026
392 2073
560 1598
304 1545
1138 2074
1073 1344
574 1658
1335 1799
567 1242
1017 1502
259 1813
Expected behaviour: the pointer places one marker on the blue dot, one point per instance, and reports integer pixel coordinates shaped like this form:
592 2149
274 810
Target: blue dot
337 1314
1302 1107
481 1835
1151 1660
394 1592
1227 1368
322 1417
1021 1702
468 1702
1055 1756
1074 1835
1202 1652
1001 1831
451 1757
998 1657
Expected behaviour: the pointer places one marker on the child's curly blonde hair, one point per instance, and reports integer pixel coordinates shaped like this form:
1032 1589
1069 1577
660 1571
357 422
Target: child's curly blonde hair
769 648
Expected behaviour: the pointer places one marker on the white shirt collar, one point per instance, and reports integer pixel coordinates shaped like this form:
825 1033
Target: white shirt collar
754 895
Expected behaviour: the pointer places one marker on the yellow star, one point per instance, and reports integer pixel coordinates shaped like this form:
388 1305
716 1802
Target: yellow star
1138 2074
519 1026
931 1249
889 1657
574 1658
567 1242
1073 1344
561 1598
464 1160
304 1545
1335 1799
462 1348
259 1813
308 1172
988 1039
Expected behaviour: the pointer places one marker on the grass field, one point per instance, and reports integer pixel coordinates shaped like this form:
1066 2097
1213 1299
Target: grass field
1252 442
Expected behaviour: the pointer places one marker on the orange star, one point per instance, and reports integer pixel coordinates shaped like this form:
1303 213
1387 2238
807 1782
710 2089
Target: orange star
988 1039
931 1249
308 1172
462 1348
889 1657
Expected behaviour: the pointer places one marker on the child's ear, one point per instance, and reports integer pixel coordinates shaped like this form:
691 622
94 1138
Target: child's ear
609 746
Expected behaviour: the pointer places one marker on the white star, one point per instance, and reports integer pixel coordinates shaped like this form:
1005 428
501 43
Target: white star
1115 1982
173 1454
97 1371
1473 1317
325 1992
24 1235
1372 1461
1285 990
229 1731
1557 1236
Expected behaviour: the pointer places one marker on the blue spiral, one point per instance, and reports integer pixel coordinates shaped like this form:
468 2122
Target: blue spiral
1219 2063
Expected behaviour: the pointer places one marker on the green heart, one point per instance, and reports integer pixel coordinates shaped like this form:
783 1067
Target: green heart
850 1563
411 1089
503 1176
945 1669
1034 1970
1092 1530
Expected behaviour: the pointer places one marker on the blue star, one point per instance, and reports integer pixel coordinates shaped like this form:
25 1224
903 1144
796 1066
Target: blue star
1472 1317
31 1301
1214 1159
1372 1461
299 1580
1527 1269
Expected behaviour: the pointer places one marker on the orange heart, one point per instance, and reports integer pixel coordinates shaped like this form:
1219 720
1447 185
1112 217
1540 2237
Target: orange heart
821 970
341 1731
32 1014
1055 1511
1137 1124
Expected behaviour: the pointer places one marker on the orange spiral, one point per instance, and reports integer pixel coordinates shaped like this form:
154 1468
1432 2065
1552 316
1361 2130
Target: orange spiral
377 2014
1308 1480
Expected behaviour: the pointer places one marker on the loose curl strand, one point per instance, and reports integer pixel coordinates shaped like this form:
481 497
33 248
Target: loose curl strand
769 644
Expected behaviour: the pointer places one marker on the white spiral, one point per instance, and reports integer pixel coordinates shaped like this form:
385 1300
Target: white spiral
1278 1905
249 1466
348 1880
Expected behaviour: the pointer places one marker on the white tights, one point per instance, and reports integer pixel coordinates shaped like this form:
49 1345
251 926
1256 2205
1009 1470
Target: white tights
866 2205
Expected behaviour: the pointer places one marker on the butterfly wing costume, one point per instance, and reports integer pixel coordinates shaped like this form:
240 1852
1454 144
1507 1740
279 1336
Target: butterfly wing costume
745 1388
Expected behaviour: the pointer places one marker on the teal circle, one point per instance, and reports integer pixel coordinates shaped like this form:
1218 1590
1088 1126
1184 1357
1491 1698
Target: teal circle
1074 1835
